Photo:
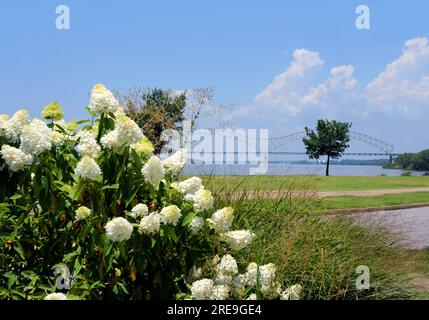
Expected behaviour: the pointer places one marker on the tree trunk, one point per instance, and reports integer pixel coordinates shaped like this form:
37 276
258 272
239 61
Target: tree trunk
327 167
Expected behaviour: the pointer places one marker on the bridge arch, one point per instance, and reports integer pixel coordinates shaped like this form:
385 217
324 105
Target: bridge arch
384 147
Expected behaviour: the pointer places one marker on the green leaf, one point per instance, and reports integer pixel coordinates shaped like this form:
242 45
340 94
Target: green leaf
15 197
188 218
20 251
123 287
112 186
171 233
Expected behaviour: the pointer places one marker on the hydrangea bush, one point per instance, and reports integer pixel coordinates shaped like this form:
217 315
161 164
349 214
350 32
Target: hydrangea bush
87 211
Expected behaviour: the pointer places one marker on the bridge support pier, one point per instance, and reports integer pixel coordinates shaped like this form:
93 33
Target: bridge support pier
391 160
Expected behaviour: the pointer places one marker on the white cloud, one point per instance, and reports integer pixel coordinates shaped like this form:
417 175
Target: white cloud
286 90
401 89
404 85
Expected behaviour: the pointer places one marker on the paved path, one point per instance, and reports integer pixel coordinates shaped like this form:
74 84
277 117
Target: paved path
412 224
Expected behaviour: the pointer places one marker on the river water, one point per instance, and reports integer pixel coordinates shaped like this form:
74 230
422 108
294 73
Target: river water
294 169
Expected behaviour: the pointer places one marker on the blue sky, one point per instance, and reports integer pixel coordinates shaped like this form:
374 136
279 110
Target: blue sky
236 47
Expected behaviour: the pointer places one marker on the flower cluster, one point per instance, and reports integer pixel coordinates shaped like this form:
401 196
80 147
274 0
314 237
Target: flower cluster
150 224
88 146
153 171
229 283
176 161
126 132
143 146
82 213
222 219
88 169
140 210
102 100
15 158
170 215
13 126
36 137
119 229
53 111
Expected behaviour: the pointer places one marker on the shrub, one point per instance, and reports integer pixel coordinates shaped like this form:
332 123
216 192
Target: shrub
94 214
406 174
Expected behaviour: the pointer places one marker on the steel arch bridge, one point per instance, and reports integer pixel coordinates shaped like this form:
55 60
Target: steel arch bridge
275 144
384 148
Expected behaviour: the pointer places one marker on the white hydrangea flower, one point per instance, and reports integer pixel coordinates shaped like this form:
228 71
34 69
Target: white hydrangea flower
139 210
119 229
219 292
227 266
57 138
150 224
56 296
126 132
203 199
102 100
119 112
14 126
82 213
15 159
87 168
291 293
170 215
202 289
190 186
88 146
238 239
110 140
196 225
3 124
176 161
222 219
223 279
195 273
267 274
153 171
144 146
252 296
252 273
36 137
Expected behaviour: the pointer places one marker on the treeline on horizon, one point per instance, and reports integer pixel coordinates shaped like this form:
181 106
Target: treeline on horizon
354 162
411 161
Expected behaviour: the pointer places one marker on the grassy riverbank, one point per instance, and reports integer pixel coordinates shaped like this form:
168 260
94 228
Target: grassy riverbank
260 184
352 202
316 183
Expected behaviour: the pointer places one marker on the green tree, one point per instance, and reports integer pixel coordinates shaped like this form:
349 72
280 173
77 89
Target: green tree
155 110
330 139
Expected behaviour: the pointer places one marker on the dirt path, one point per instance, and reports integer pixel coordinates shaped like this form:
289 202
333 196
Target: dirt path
368 193
325 194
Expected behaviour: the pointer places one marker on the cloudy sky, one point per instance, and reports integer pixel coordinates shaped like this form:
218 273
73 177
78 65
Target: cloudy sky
282 64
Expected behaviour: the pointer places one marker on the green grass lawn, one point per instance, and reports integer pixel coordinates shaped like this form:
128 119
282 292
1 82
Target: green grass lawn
352 202
317 183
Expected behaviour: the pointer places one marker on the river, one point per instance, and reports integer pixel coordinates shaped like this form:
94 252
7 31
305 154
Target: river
295 169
